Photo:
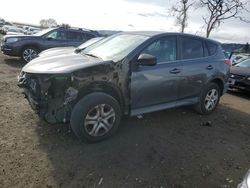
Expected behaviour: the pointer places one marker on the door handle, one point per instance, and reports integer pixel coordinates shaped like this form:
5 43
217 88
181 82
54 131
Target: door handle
175 71
210 67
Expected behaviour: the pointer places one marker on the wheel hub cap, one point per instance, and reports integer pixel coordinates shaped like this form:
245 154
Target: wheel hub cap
99 120
211 99
29 54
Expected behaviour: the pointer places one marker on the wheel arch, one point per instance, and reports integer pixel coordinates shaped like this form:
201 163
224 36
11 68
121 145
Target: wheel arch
219 82
108 88
31 46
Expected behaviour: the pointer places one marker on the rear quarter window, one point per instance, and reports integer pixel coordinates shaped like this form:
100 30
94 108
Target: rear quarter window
191 48
212 47
74 35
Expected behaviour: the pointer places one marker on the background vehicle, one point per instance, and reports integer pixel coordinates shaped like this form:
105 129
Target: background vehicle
240 75
238 58
32 30
5 28
129 73
65 50
15 31
28 46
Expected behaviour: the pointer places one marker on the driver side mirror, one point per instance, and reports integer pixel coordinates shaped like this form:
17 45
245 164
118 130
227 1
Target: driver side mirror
49 38
147 60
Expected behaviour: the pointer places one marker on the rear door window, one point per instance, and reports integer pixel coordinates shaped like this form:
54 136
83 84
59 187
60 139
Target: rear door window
74 35
191 48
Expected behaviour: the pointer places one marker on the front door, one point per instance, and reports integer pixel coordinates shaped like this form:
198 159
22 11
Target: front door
56 38
152 85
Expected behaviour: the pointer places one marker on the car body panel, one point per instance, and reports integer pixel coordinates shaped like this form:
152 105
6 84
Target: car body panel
60 63
57 51
154 85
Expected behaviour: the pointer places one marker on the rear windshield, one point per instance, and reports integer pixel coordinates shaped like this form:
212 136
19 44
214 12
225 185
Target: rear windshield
245 63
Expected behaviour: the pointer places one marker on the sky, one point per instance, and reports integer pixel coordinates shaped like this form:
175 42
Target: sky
126 15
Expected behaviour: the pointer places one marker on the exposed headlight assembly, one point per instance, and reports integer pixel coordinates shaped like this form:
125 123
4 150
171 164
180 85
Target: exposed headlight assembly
12 39
246 181
248 78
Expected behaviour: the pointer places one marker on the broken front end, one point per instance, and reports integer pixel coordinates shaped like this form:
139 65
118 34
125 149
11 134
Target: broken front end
50 96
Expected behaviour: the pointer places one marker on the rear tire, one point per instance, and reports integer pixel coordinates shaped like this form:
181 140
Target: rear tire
209 99
95 117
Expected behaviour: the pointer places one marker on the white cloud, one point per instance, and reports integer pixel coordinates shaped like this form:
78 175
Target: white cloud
115 15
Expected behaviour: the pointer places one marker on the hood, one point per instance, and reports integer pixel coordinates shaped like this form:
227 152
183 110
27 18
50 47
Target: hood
56 51
60 64
19 36
244 71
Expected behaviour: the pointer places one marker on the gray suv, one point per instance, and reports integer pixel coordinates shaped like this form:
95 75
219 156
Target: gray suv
129 73
28 46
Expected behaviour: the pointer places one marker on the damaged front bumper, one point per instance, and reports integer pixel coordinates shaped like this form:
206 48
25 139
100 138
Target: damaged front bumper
51 98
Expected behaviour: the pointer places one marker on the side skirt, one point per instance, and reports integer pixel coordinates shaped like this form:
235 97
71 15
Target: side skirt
163 106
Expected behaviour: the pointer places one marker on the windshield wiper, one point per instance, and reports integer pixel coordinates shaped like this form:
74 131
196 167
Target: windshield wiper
91 55
78 50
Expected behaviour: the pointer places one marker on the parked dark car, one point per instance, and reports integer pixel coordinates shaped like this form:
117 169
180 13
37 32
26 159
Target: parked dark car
70 49
130 73
240 76
28 46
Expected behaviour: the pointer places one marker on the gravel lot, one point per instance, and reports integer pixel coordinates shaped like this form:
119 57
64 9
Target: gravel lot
165 149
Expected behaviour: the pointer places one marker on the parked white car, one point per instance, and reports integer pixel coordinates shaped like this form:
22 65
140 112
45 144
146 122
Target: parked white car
246 182
15 31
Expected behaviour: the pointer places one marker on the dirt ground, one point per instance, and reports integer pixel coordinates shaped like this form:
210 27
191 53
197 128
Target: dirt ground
164 149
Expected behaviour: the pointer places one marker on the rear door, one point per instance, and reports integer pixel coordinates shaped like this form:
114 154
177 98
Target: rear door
197 66
75 38
151 85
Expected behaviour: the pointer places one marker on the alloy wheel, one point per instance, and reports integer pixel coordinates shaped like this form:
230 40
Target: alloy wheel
29 54
211 99
99 120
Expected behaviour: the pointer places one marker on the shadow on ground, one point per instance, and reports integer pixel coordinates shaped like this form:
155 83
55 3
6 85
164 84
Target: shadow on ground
238 93
14 62
169 149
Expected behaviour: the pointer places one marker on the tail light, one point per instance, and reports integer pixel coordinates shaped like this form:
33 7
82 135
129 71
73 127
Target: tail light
228 62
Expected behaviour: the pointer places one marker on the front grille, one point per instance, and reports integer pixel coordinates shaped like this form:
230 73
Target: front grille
237 77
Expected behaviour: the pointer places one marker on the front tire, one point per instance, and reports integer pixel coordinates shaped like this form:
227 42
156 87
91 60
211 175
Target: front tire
209 99
29 53
95 117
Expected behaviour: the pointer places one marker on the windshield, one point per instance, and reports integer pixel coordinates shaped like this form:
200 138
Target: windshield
115 47
90 42
245 63
40 33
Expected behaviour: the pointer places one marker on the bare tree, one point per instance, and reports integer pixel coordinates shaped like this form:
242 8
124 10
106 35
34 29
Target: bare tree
48 23
221 10
180 10
64 25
